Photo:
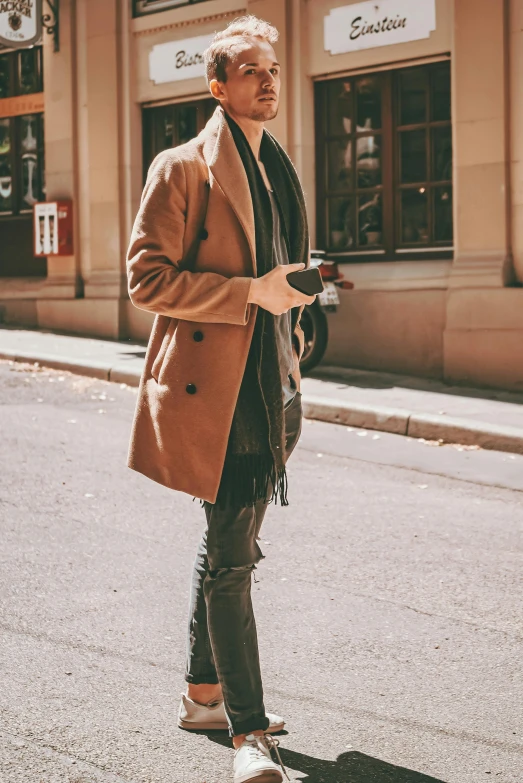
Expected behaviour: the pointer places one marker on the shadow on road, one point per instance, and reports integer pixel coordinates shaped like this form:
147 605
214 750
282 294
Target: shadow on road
349 767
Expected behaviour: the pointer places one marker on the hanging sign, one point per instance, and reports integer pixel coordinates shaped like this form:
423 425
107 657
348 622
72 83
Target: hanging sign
176 60
378 23
20 23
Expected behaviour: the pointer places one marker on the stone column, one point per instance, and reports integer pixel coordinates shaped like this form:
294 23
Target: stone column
480 141
483 339
63 279
516 131
100 144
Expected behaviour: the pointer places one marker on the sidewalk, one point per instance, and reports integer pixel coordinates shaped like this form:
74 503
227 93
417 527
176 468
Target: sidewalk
356 398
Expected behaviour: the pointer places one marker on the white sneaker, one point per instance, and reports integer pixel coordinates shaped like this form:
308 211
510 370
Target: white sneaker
252 760
212 716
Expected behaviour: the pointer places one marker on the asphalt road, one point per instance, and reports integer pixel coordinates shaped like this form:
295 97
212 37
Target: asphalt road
389 605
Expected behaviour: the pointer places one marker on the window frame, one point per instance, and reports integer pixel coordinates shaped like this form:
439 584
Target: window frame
392 248
166 5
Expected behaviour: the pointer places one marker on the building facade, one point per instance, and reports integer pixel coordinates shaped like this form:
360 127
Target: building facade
404 119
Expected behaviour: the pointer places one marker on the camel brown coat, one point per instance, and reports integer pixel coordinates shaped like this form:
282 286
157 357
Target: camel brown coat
191 261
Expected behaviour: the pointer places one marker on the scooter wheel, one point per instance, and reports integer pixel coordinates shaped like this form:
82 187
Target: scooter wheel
314 324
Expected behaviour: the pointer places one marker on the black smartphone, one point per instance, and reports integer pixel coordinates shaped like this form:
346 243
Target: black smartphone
306 281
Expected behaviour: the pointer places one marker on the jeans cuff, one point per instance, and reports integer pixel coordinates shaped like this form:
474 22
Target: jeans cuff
246 726
202 679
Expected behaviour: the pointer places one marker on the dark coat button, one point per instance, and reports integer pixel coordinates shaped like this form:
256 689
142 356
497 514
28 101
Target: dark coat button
198 337
204 234
190 389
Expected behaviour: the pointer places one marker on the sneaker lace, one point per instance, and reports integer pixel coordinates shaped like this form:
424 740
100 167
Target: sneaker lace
272 744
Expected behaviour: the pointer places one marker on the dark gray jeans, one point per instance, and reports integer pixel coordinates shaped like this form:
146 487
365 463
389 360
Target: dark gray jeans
222 643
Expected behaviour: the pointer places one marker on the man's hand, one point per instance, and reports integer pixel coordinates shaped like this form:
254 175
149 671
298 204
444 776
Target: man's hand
273 293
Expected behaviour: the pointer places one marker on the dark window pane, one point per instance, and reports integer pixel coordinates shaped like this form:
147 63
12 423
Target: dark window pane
368 103
6 181
414 222
441 153
413 156
5 77
339 107
368 161
187 123
339 168
340 228
369 219
413 96
443 214
164 130
441 92
28 81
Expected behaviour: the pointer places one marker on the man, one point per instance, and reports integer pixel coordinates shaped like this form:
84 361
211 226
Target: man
219 409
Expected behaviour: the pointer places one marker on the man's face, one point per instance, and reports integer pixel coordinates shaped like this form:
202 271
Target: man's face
252 89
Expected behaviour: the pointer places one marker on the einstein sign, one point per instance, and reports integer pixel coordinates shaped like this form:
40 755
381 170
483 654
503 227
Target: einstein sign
170 62
20 22
378 23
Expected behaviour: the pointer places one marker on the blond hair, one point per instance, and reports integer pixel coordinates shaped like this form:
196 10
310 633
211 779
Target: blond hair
223 47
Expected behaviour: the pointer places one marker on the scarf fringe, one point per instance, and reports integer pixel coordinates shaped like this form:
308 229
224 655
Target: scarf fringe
248 479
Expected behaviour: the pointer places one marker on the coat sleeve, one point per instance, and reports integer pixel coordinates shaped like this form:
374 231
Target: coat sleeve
156 281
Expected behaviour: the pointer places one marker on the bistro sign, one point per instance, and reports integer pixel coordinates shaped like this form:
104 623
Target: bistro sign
176 60
20 22
378 23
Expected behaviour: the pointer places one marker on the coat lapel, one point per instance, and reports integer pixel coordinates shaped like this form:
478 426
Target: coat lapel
227 168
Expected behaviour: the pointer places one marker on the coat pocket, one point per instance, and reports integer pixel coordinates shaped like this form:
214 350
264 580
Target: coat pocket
158 362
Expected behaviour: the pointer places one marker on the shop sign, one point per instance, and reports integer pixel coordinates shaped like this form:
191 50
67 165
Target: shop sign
170 62
378 23
20 22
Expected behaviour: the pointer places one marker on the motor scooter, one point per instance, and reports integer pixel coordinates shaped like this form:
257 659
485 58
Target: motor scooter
314 319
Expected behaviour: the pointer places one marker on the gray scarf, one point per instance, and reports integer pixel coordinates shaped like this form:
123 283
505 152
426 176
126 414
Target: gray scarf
254 466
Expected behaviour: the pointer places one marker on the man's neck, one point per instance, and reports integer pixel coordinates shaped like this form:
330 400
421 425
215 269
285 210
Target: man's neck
252 129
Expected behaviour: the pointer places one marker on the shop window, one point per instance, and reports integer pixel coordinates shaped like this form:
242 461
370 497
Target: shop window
21 163
22 178
384 164
21 136
141 7
169 126
21 72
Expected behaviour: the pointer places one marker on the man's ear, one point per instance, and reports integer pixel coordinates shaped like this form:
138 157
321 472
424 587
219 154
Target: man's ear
216 89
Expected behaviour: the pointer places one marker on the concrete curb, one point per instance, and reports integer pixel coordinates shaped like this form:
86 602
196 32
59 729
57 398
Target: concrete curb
397 421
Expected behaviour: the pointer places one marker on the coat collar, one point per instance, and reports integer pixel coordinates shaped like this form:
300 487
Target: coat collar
223 159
